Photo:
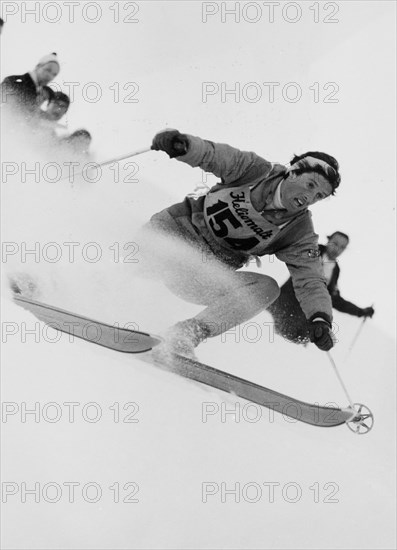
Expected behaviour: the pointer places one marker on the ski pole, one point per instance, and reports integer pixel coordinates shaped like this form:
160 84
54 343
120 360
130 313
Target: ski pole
110 161
363 419
340 380
360 328
128 155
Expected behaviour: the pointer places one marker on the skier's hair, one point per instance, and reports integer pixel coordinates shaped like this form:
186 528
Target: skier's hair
338 233
1 22
77 134
60 96
331 173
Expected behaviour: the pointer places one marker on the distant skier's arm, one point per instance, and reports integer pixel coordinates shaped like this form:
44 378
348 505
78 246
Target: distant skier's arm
220 159
344 306
10 91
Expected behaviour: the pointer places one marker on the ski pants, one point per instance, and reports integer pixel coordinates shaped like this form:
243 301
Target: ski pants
191 269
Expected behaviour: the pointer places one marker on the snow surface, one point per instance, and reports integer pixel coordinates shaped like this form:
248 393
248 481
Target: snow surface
171 453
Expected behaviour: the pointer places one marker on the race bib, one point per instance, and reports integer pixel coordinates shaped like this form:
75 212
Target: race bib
235 223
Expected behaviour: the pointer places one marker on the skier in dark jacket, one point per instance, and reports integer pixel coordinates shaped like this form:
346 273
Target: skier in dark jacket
290 321
257 208
25 93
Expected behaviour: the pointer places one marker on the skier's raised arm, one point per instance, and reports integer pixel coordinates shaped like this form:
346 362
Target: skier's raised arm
226 162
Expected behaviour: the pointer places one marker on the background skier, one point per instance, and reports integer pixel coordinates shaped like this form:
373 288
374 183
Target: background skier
290 321
25 93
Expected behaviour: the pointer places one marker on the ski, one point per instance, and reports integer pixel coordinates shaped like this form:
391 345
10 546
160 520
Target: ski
309 413
132 341
96 332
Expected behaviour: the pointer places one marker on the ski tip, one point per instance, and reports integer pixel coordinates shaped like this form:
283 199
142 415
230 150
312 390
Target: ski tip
23 285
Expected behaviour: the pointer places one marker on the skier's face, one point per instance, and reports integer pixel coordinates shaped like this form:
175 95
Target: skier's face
56 109
335 246
46 73
300 191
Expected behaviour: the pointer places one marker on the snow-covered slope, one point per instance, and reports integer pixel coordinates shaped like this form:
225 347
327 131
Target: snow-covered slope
184 449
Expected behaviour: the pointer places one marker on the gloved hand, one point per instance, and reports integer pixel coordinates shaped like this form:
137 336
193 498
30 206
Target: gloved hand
321 334
172 142
367 312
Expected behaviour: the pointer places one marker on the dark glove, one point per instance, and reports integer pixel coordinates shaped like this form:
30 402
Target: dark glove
321 334
172 142
367 312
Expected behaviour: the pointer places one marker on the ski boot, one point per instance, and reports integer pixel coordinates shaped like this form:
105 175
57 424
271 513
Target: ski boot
182 339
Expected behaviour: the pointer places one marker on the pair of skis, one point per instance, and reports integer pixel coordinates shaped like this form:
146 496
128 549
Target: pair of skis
359 419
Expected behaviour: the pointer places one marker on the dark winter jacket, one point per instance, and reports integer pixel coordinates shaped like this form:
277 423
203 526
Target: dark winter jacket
21 93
